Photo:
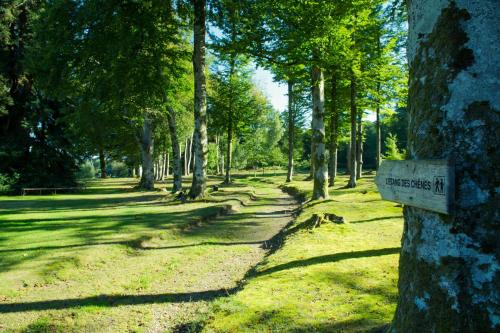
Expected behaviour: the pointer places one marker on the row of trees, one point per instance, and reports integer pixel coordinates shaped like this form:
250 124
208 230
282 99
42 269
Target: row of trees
121 79
352 52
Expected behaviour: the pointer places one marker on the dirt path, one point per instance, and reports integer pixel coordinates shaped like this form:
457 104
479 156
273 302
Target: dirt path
111 264
247 232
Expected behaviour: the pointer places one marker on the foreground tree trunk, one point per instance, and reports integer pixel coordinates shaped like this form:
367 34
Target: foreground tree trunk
146 146
449 273
334 120
291 130
102 163
320 175
176 150
352 145
359 147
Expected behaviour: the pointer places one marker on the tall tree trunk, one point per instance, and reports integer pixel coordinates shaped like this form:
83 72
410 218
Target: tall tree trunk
167 167
348 158
186 154
359 147
334 120
102 163
155 170
311 162
291 130
217 154
190 154
449 272
229 149
164 166
198 185
176 150
377 129
146 146
320 187
354 115
222 163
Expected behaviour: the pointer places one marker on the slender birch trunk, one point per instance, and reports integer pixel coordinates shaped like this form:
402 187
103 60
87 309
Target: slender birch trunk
102 163
186 147
167 169
146 147
320 176
217 154
378 134
163 166
190 154
229 149
449 268
359 147
291 131
354 115
334 119
176 151
348 157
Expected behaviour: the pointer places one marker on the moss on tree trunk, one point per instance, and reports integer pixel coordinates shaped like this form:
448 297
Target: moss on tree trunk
449 265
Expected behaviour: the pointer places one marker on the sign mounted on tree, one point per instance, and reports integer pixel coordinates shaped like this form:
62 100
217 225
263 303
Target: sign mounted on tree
427 184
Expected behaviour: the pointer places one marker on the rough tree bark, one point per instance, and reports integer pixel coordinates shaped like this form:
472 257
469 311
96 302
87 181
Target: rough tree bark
320 176
352 145
334 119
359 147
198 186
176 151
102 163
449 265
146 146
291 130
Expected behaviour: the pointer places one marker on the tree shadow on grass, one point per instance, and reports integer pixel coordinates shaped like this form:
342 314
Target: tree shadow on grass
91 231
378 219
329 258
115 300
23 206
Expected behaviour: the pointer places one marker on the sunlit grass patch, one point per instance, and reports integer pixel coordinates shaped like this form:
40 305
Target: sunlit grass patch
335 278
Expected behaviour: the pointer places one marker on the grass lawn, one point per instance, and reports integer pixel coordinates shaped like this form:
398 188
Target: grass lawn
115 260
335 278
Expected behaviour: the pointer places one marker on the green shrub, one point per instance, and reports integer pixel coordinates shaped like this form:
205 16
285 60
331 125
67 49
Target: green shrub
86 170
118 169
392 152
7 182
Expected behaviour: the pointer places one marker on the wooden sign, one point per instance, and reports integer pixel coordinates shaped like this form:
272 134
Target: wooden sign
427 184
